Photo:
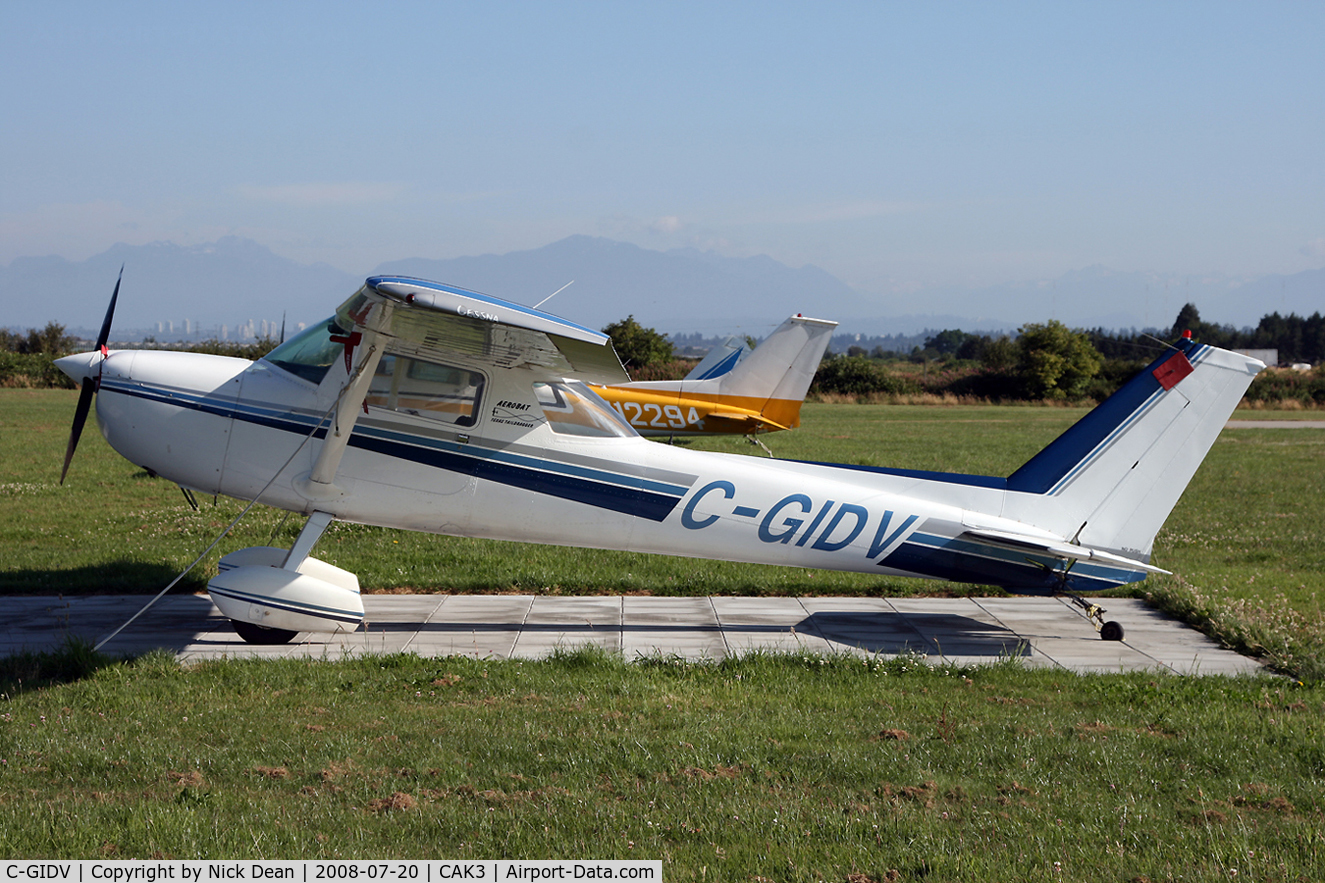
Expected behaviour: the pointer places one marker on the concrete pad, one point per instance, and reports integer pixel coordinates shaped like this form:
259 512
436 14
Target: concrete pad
757 611
1040 632
479 626
557 623
768 625
863 625
666 627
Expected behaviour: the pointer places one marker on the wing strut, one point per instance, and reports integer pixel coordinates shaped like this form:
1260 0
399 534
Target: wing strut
320 483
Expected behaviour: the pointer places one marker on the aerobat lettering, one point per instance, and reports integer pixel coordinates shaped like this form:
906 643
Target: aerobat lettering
797 519
514 406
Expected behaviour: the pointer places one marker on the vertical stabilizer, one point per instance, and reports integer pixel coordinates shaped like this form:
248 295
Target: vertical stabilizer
775 377
783 364
763 391
1111 480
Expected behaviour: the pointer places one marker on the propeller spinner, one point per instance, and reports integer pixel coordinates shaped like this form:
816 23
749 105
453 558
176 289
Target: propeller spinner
90 381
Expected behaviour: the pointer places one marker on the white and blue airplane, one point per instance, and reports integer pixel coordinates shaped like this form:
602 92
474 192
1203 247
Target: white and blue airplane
721 359
428 407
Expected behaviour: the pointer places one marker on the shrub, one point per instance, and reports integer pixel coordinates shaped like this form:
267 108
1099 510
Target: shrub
675 369
1055 361
31 371
1275 385
859 376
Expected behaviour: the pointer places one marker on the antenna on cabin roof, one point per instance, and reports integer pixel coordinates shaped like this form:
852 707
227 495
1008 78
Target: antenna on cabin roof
554 294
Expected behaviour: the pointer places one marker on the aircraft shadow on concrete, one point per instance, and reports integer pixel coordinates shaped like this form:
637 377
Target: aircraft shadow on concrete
883 632
945 634
165 627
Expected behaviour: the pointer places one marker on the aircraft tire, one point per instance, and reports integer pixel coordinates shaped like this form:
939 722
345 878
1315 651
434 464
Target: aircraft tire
1111 631
258 634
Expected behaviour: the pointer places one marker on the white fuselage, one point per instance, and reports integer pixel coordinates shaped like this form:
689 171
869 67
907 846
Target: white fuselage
228 426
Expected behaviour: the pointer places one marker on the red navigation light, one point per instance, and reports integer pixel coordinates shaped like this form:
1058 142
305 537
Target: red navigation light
1187 335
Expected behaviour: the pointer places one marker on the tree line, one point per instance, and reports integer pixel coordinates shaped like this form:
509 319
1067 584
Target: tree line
1044 361
1052 361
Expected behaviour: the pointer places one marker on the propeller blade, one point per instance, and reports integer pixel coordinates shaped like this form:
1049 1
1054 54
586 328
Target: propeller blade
90 383
110 314
80 417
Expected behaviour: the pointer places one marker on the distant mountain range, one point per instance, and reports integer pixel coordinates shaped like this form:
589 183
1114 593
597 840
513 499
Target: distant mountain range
226 282
233 281
676 291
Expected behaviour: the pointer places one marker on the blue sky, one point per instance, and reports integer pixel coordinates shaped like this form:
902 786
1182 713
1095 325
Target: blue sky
898 146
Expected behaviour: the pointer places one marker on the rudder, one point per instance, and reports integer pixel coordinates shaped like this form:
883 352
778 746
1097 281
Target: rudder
1112 479
779 371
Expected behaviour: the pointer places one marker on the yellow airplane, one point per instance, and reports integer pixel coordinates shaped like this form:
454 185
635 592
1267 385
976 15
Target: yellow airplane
762 393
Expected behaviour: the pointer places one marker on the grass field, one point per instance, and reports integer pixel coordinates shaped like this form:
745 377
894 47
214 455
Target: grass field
760 769
1246 542
768 768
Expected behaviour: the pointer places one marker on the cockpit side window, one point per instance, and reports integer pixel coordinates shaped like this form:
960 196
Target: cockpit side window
310 353
427 389
572 408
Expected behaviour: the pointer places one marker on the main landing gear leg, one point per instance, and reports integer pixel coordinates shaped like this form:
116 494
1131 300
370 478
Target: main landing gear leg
1109 631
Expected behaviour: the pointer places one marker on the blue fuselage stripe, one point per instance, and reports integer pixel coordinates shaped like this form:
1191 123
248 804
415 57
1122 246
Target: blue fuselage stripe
628 494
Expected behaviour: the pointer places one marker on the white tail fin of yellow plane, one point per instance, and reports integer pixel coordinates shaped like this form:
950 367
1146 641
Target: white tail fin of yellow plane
763 393
782 367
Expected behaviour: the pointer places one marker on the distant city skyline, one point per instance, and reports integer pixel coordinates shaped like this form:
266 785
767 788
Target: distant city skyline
900 147
248 329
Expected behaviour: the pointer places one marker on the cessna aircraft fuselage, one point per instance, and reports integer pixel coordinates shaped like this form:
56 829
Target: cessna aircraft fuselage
372 418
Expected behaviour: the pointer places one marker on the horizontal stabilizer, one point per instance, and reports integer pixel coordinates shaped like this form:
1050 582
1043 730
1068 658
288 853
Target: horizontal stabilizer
745 415
1057 549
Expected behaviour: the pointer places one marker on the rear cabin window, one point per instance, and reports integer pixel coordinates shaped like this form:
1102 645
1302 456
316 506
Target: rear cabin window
427 389
574 409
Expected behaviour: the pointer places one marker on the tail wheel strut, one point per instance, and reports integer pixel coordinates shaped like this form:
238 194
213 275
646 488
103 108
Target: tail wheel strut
1109 631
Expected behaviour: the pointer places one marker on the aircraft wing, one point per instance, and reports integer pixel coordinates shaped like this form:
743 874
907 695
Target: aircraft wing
432 321
1061 550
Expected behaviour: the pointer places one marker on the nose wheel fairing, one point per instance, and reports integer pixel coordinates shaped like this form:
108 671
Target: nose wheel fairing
274 604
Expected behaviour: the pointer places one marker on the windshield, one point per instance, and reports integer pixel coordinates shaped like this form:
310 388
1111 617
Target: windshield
574 409
310 353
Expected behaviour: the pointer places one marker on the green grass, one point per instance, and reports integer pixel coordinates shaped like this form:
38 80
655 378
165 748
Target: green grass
1246 541
779 768
768 768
